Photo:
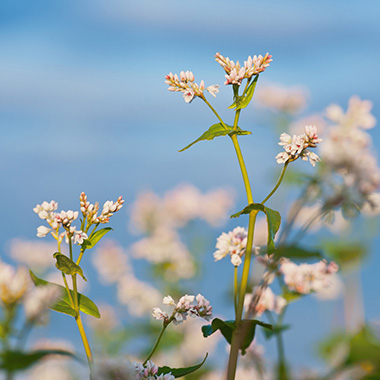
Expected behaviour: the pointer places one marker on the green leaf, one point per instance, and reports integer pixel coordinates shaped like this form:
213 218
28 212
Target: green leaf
67 266
215 131
64 305
276 330
248 95
12 361
248 209
227 328
95 237
273 221
295 252
179 372
289 295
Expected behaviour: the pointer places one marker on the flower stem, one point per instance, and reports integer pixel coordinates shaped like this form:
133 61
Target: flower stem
238 334
278 182
83 335
164 326
236 289
213 110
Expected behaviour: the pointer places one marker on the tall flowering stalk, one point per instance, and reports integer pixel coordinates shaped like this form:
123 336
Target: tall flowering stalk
60 226
239 243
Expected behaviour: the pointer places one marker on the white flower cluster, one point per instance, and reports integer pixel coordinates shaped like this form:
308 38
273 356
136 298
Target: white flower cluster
46 211
296 146
90 211
183 308
347 149
311 278
149 372
185 84
232 243
267 301
236 73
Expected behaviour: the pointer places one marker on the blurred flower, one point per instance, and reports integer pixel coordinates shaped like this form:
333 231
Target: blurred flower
52 369
347 152
111 262
267 301
112 369
39 300
165 247
236 73
35 254
137 295
283 99
310 278
372 205
14 283
107 322
234 244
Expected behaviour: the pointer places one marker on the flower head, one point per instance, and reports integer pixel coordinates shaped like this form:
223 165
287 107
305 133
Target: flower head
235 73
233 244
184 307
185 84
297 145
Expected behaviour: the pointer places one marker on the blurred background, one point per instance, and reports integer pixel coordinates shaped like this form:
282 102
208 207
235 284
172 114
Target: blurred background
84 107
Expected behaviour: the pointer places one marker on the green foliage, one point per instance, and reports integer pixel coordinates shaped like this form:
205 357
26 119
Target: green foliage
215 131
67 266
95 237
179 372
273 221
243 100
295 252
361 349
248 329
13 361
346 254
64 305
276 330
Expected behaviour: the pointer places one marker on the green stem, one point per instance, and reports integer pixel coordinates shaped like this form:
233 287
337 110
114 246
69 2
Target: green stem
80 256
164 326
236 289
242 169
278 182
83 335
68 290
213 110
238 334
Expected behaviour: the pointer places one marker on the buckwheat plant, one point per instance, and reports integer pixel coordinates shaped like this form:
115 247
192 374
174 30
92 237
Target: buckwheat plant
60 225
238 244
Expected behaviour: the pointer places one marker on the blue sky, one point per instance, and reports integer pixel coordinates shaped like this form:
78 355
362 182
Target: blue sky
83 104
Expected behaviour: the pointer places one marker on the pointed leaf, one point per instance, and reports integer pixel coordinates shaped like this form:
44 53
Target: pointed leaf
179 372
248 209
67 266
290 296
12 361
248 95
274 222
215 131
276 330
227 328
64 305
95 237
